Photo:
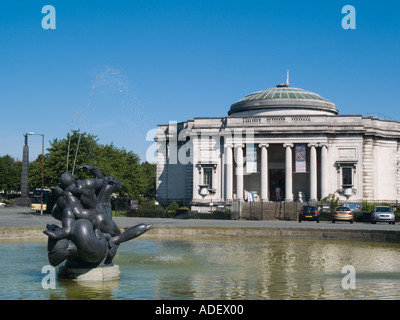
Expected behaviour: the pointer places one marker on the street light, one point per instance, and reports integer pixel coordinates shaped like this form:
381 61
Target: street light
40 134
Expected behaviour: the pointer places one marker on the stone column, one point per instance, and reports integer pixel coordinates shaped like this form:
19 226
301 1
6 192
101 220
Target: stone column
229 173
324 170
239 171
288 172
313 172
264 172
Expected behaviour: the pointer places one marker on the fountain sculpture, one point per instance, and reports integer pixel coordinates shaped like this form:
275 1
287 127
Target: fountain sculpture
88 239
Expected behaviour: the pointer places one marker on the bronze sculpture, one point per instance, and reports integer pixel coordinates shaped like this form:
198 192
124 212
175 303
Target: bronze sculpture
88 238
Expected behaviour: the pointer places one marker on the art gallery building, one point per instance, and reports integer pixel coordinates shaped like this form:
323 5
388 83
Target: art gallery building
279 137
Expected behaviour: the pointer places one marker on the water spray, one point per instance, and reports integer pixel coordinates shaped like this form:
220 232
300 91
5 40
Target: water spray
76 151
69 144
115 76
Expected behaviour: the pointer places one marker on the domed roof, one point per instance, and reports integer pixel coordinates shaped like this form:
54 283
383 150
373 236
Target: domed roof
283 98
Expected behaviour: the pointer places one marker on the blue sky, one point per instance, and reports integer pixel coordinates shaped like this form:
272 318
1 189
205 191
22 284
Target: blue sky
116 69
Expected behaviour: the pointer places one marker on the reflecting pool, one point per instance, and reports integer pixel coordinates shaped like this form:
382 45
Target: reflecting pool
216 269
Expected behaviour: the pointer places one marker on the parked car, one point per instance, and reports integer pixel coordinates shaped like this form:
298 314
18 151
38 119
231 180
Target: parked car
382 214
342 214
309 213
2 204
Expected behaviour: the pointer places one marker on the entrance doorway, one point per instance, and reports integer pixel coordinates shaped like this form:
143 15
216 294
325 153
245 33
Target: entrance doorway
276 179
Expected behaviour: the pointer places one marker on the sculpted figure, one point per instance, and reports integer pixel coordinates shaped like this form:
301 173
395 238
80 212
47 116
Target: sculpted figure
88 236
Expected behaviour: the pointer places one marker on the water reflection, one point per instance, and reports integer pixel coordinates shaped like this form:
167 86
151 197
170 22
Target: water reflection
217 269
85 290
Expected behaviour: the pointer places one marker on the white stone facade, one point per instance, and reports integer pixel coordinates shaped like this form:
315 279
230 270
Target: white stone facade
207 160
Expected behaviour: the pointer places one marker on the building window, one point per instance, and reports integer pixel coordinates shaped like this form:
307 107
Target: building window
347 177
207 177
346 172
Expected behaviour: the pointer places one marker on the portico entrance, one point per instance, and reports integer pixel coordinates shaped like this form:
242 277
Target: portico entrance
276 179
278 168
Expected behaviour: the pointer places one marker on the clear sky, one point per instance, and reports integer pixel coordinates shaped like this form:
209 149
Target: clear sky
116 69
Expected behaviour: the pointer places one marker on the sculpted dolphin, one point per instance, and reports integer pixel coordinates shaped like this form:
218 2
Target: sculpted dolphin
89 237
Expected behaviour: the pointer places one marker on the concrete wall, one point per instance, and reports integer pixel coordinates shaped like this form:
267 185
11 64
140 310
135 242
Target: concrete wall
249 232
385 170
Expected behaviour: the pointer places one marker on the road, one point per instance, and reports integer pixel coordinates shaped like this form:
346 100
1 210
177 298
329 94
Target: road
23 217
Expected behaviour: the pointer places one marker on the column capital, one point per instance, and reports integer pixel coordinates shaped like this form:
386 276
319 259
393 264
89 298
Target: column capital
239 145
290 145
310 145
262 145
323 144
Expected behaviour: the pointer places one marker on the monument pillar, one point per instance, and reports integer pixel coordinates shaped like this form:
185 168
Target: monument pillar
24 200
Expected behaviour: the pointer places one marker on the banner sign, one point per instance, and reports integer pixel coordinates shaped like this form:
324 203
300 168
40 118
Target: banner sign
250 197
251 158
300 158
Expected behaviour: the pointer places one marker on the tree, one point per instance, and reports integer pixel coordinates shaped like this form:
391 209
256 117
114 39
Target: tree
10 174
138 179
123 165
56 159
149 176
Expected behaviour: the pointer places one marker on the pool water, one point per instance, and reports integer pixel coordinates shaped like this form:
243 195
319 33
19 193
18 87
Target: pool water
216 269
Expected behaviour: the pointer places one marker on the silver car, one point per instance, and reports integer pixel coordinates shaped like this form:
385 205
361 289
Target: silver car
382 214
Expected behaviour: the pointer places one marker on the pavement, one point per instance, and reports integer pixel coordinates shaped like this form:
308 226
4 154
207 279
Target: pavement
24 217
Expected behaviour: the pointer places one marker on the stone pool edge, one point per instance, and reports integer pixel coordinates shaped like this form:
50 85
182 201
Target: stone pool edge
391 236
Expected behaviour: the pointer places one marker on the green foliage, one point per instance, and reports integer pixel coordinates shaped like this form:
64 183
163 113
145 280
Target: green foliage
367 206
150 210
148 172
173 206
138 179
10 174
55 162
122 165
150 205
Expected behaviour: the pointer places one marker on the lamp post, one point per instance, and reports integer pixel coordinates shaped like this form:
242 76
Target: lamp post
40 134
